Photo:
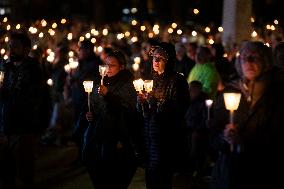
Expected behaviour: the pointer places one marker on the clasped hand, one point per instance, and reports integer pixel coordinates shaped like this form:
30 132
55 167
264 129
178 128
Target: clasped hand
231 134
102 90
89 116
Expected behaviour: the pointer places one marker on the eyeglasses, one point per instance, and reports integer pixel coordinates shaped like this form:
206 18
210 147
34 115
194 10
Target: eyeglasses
158 58
112 65
250 58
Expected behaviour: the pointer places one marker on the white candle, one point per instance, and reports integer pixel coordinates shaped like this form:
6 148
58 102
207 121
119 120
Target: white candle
148 85
1 76
103 69
138 84
232 101
88 86
208 103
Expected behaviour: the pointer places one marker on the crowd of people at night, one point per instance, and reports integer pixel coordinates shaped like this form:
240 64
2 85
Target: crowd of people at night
167 130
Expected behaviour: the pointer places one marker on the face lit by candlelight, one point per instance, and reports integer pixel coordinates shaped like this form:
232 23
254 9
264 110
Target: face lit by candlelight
250 64
159 62
114 66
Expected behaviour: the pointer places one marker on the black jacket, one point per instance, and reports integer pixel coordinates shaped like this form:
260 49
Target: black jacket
22 98
164 124
115 121
257 159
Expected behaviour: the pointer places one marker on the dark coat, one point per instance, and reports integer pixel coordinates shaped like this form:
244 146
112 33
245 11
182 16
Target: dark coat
164 124
184 66
115 121
257 160
22 98
88 70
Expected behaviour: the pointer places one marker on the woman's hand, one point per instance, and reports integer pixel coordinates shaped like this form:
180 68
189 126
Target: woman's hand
231 134
141 97
89 116
102 90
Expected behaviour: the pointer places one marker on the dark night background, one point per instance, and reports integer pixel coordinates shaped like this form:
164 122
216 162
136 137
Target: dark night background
107 11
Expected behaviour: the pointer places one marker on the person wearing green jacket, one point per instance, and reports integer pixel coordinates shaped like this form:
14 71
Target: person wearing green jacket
205 72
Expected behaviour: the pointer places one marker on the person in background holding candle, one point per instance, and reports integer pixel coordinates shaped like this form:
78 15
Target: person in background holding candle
21 98
257 132
88 69
164 125
197 130
110 142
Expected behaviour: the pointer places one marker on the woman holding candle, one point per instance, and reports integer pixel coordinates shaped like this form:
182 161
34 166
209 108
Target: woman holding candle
109 143
250 147
163 110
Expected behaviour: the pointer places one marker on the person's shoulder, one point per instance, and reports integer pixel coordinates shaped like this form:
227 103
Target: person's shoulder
178 77
32 62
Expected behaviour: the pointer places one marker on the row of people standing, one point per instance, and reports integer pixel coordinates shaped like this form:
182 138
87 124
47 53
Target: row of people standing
255 135
110 134
24 114
113 130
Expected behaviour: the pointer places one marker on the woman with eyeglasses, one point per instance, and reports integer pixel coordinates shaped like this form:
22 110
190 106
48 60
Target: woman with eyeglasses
251 149
110 140
163 110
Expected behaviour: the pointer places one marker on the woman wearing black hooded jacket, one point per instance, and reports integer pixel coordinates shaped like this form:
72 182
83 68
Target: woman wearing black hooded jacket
109 140
164 111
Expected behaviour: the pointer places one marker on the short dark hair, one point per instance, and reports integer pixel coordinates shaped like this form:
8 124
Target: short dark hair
203 55
195 84
107 50
119 56
22 37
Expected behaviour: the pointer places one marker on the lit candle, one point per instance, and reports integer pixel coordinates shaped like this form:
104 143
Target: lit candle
103 69
135 67
1 77
73 64
88 86
49 82
138 85
148 85
232 101
208 103
67 68
137 60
